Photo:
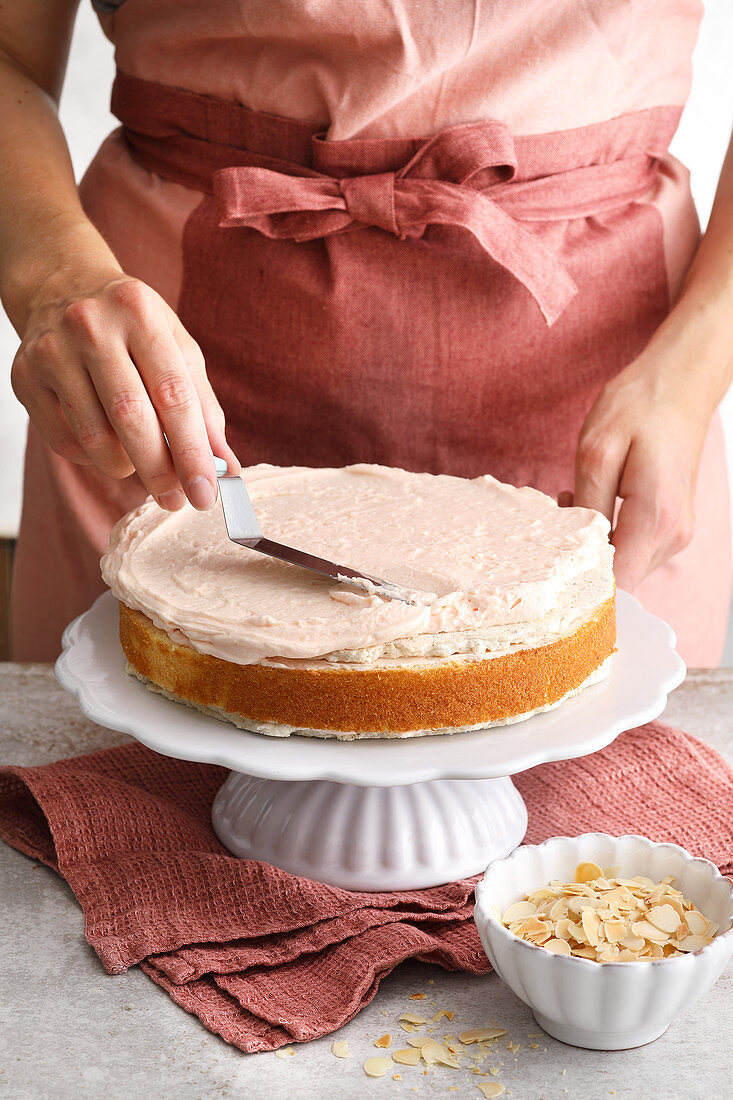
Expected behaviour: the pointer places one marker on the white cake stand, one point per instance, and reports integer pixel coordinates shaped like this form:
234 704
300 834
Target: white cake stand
373 815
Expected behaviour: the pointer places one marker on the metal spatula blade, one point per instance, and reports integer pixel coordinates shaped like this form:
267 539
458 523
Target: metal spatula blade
244 529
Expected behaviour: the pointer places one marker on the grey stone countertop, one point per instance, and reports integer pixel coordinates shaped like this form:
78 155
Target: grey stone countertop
69 1030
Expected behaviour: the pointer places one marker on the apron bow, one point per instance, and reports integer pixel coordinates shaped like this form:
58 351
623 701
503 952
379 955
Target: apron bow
403 202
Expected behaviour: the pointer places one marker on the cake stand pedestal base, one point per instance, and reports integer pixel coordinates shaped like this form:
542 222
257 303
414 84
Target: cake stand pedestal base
371 838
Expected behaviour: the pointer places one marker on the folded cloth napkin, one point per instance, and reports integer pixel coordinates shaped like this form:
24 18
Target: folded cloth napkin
264 958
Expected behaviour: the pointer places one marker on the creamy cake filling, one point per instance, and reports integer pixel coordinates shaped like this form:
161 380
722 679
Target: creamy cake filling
493 567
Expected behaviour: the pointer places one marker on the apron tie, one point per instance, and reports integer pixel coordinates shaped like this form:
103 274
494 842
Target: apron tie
284 179
403 202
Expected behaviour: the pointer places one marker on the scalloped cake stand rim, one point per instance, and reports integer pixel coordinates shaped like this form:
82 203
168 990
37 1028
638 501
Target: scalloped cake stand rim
644 671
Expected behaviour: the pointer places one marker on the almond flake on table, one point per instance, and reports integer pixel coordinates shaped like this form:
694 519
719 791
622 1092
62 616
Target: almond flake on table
490 1088
410 1056
411 1018
377 1067
479 1034
420 1040
283 1052
383 1041
433 1053
340 1048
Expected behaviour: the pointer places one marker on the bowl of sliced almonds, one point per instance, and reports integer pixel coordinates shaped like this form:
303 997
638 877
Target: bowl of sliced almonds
607 939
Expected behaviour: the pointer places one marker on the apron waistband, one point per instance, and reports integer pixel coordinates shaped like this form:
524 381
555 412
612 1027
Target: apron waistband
284 179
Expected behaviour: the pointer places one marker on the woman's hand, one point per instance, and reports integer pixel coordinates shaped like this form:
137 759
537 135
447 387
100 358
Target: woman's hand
105 367
106 371
643 438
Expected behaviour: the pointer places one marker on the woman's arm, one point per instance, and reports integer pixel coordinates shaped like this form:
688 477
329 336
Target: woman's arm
643 437
105 366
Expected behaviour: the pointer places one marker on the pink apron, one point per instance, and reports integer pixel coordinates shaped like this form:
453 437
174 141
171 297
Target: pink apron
451 302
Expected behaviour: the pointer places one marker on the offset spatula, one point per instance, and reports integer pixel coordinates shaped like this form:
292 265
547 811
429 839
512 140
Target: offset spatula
244 529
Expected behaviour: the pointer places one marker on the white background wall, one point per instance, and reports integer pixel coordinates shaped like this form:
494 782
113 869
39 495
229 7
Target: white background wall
700 143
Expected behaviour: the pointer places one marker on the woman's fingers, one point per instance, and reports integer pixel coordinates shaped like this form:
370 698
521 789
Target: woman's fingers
113 378
598 465
655 520
88 421
48 418
132 417
175 401
211 409
47 372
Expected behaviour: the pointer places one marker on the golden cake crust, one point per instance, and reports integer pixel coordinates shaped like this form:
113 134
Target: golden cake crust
463 692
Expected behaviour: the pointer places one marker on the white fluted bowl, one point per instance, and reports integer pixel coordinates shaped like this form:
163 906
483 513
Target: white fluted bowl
603 1006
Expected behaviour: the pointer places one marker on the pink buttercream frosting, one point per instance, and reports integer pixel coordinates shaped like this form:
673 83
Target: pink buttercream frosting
480 556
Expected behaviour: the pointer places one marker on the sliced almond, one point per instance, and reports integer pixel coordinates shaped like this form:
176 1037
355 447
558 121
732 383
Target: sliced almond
409 1056
563 929
615 930
559 909
576 889
411 1018
586 872
577 905
383 1041
545 894
490 1088
436 1054
578 933
696 922
340 1048
649 931
532 926
480 1034
665 918
443 1013
519 911
583 952
420 1040
693 943
558 947
377 1067
591 924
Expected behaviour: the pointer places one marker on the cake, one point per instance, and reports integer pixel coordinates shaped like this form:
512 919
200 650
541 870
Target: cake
513 604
